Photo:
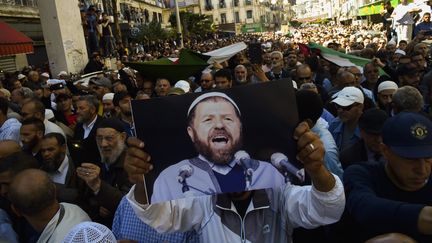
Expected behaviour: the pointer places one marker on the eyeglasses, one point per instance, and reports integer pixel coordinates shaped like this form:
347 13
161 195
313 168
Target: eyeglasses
345 108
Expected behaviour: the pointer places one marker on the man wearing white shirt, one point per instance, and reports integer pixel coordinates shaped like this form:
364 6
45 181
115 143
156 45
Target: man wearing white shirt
404 21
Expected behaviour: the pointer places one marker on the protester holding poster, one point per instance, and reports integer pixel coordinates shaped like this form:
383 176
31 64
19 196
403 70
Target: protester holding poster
252 216
215 128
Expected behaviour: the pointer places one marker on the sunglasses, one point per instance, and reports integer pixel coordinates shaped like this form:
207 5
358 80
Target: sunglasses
345 108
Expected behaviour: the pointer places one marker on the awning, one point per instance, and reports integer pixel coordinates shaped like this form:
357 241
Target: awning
13 42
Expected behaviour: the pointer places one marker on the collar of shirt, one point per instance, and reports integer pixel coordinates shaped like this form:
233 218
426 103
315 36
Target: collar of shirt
59 176
221 169
89 127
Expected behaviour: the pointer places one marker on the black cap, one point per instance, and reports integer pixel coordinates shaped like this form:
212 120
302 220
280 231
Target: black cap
113 123
57 86
372 120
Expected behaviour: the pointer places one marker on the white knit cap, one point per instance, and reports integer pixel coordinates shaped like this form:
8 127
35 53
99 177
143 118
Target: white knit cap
108 96
90 232
386 85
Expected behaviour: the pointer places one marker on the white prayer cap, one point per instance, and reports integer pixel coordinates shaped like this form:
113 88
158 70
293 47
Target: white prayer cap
386 85
21 76
45 75
62 73
89 232
49 114
108 96
399 51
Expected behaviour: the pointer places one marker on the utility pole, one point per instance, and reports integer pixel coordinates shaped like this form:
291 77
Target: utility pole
179 29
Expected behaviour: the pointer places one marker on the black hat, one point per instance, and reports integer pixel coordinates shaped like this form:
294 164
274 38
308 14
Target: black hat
372 120
113 123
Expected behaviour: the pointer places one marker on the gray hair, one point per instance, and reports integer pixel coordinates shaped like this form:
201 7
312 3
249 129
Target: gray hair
407 98
91 100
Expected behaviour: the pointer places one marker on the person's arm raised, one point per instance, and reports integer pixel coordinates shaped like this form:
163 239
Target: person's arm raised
311 154
137 164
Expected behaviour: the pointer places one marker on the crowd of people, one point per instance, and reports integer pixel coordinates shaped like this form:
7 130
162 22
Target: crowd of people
68 154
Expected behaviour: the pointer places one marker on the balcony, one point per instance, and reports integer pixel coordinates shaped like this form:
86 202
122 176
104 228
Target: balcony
22 3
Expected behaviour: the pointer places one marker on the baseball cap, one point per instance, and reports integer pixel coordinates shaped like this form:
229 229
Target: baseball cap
209 95
62 73
372 120
21 76
45 75
386 85
87 232
182 84
57 86
102 81
409 135
108 96
348 96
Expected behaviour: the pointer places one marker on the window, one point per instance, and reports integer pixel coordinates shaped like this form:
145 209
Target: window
236 3
248 2
222 4
249 14
223 18
160 17
154 17
237 17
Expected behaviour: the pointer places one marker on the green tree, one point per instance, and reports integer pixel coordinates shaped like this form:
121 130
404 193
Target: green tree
193 25
152 32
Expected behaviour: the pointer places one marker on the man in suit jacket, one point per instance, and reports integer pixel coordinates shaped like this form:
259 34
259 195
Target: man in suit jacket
60 168
367 148
84 148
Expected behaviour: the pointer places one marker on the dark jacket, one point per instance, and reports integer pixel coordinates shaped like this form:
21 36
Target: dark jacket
354 154
85 150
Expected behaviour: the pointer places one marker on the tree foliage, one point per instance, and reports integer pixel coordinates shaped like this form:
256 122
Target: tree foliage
193 25
152 31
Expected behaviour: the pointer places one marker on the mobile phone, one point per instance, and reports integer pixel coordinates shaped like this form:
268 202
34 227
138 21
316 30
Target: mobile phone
255 53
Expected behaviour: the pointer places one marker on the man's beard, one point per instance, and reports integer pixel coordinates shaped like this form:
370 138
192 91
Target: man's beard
218 156
115 153
52 165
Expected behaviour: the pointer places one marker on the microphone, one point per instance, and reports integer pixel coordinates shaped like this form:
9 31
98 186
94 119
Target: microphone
185 171
280 161
243 159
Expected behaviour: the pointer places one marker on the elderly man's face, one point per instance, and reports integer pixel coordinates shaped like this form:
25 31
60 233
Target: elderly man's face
162 87
85 111
349 113
216 130
206 81
407 174
111 144
240 74
277 60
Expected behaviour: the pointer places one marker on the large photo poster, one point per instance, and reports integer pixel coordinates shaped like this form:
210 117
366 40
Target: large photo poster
220 141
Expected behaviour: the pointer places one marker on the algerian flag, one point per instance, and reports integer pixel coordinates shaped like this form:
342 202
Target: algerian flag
225 53
187 64
339 58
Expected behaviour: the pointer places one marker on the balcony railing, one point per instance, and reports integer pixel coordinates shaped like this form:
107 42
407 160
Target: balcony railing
21 3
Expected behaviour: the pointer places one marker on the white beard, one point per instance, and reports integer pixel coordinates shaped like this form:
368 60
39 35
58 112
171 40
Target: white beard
117 151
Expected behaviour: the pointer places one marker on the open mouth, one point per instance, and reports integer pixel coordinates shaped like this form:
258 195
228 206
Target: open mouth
220 140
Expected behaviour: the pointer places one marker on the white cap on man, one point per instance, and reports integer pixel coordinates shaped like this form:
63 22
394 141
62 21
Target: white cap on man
108 96
21 76
62 73
348 96
387 85
45 75
182 84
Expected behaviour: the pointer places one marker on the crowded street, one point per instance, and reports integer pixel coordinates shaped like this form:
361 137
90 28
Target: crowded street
123 123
